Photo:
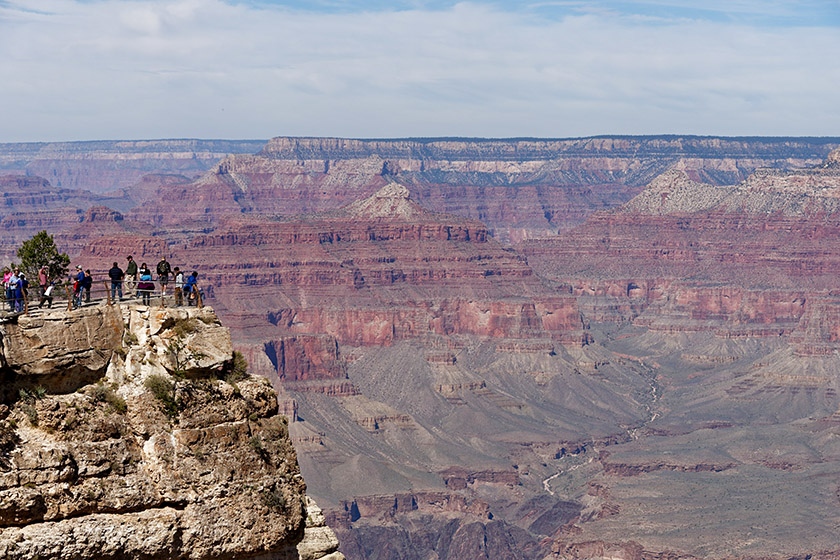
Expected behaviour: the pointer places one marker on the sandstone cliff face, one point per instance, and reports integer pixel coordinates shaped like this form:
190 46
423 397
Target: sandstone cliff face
519 188
152 454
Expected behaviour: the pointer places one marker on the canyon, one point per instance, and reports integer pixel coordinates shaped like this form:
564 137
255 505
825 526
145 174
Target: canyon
615 347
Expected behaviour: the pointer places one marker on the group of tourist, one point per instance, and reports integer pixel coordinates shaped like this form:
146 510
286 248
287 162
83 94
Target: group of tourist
16 285
138 283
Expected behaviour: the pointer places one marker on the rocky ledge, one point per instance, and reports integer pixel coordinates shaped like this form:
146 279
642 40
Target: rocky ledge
134 432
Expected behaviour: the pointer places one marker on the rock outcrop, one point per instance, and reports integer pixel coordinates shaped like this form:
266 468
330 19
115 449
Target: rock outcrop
59 350
167 449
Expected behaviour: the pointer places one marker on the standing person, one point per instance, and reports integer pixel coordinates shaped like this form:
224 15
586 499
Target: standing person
11 289
146 285
21 291
7 274
190 287
116 275
179 287
47 297
16 287
77 287
163 271
87 284
24 285
143 270
130 276
43 280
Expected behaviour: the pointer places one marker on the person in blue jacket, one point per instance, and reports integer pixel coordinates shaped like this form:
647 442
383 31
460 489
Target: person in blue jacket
190 287
77 287
146 286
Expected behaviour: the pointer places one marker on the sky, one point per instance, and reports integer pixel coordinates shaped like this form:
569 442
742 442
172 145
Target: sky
237 69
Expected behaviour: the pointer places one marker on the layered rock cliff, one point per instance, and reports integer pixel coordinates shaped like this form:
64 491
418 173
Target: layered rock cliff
131 432
520 188
102 166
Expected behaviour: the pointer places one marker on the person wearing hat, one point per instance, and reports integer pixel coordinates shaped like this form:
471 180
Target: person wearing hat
130 277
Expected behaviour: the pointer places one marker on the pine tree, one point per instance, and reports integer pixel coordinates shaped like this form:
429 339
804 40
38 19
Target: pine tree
41 251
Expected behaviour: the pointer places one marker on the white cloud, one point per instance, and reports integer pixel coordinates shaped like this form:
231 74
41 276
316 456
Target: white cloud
204 68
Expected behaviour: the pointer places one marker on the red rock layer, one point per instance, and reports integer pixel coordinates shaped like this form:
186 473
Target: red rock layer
31 204
306 357
371 275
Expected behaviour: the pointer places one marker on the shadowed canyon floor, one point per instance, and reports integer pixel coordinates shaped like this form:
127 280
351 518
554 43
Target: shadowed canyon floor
649 371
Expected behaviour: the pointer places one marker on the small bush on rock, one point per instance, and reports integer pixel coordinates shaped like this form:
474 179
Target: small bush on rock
31 414
239 369
164 391
184 327
273 499
101 393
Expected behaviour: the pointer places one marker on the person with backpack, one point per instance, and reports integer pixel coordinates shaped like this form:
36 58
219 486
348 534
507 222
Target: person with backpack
163 271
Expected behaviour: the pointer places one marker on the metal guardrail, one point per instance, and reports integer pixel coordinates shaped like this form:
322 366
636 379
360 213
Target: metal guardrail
96 297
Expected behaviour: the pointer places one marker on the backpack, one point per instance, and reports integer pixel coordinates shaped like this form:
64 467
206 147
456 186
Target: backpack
163 267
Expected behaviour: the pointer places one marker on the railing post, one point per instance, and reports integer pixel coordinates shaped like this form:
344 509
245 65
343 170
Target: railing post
25 303
107 292
198 296
69 298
